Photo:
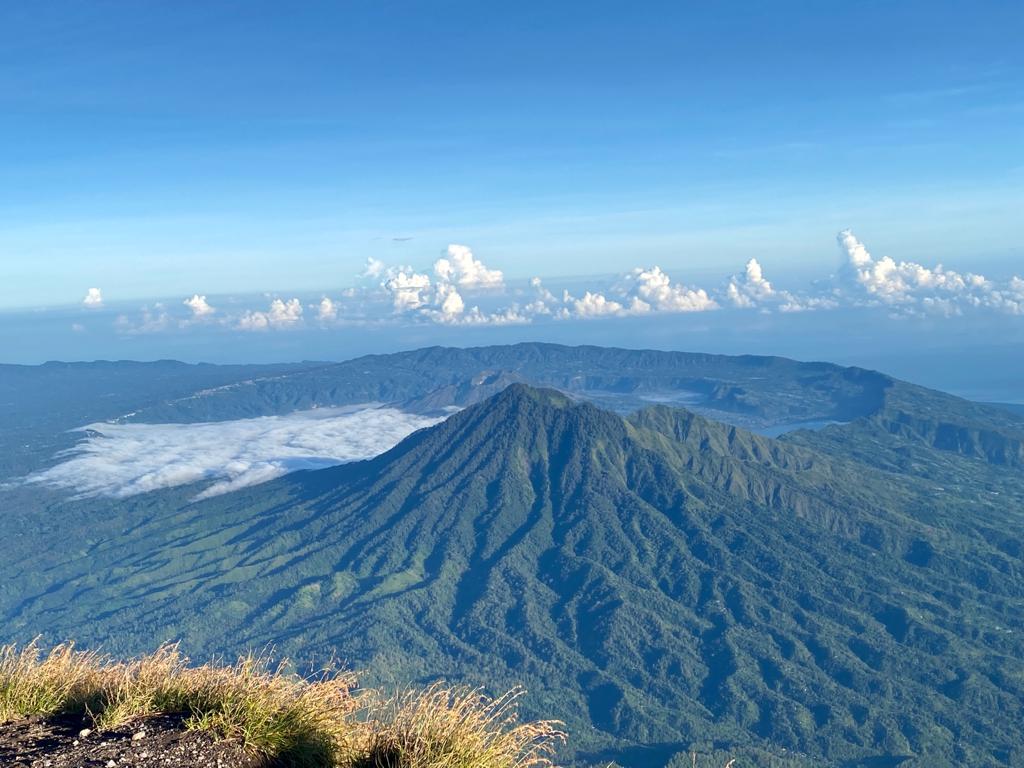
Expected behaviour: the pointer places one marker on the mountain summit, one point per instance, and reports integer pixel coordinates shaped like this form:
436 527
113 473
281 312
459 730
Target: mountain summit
654 580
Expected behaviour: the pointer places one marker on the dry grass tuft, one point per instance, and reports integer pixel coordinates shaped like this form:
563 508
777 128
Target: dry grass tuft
63 679
456 727
307 723
303 722
297 721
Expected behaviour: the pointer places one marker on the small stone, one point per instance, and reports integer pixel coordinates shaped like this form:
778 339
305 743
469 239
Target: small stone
139 735
84 732
111 764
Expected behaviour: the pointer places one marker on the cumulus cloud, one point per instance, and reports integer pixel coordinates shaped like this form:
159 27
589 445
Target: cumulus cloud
93 298
282 314
1012 299
751 288
441 299
591 305
450 300
199 306
121 460
408 289
450 308
655 289
544 301
253 321
464 269
857 255
327 311
509 316
641 292
285 312
895 282
374 268
909 286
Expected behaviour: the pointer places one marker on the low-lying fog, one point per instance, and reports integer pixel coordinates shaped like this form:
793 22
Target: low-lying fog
120 460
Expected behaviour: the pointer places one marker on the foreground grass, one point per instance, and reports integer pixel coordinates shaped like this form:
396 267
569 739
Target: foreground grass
302 722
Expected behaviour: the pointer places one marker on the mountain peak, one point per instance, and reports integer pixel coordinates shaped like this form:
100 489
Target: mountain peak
523 393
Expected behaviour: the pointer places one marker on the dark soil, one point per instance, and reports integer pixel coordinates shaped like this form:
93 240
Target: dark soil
154 742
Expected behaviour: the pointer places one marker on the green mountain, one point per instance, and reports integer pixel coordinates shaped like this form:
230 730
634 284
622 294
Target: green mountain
747 390
850 596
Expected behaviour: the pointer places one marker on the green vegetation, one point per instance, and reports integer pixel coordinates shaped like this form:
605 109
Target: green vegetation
316 723
662 582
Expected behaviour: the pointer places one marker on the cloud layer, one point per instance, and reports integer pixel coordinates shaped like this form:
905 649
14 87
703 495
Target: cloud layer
461 290
121 460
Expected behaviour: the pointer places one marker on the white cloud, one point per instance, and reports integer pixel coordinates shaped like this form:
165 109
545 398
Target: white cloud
642 291
450 308
910 287
510 316
93 298
253 321
462 268
856 254
655 288
591 305
408 288
374 268
121 460
450 300
327 311
282 314
285 313
1009 299
750 289
544 301
793 303
894 282
474 316
441 299
543 294
199 306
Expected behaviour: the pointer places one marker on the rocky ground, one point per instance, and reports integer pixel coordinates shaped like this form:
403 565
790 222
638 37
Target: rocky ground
155 742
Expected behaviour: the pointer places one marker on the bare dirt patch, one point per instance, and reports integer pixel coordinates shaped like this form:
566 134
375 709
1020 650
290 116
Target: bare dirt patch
162 741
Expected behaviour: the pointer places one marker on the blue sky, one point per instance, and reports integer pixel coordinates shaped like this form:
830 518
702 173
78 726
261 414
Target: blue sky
325 179
160 149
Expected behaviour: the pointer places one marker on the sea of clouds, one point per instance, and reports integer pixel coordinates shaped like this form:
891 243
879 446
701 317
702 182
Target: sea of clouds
120 460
